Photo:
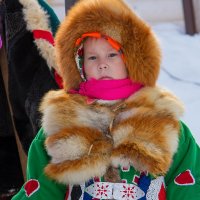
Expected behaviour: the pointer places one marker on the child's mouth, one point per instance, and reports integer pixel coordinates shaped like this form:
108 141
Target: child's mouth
105 78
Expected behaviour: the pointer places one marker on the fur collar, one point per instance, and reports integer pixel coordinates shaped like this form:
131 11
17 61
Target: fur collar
142 131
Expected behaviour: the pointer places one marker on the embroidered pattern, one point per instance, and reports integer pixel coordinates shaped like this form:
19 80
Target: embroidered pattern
156 187
70 193
31 187
127 191
136 179
106 190
79 61
185 178
42 34
125 169
124 181
100 190
145 189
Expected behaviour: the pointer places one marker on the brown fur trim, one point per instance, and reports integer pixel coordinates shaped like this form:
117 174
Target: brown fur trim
139 44
76 137
61 110
38 19
92 163
146 133
156 98
147 146
72 143
77 171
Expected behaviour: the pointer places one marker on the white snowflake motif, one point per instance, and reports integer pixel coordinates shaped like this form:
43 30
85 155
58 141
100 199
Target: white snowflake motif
122 191
128 192
102 190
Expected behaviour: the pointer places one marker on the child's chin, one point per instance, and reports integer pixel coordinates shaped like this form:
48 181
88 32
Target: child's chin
106 78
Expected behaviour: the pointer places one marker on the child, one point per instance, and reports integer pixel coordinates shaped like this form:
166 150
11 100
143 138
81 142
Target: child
111 133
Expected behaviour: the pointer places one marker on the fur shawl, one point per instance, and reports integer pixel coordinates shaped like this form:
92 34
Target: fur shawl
84 140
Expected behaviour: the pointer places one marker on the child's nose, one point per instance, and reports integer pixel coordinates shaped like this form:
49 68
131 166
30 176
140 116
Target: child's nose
102 66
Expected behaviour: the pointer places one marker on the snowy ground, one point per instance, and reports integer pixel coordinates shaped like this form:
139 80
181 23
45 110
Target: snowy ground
180 69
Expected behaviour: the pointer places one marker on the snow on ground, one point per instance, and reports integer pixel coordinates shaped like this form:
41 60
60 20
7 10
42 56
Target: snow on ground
180 70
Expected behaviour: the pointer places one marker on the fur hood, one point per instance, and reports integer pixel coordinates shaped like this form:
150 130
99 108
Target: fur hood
139 45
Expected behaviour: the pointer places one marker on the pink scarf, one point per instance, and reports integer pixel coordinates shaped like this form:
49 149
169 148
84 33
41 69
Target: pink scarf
107 89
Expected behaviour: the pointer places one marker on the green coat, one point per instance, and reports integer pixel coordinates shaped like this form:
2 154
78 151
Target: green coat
182 182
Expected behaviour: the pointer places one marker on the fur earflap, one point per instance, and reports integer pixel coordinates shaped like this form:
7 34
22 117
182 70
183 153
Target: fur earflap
114 19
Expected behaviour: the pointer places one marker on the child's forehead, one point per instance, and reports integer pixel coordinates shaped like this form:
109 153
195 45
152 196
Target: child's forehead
91 42
94 40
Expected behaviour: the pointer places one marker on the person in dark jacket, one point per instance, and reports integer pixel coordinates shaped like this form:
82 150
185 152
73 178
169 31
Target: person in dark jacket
28 73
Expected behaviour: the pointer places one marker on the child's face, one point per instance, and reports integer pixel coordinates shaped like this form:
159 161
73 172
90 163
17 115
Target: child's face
102 61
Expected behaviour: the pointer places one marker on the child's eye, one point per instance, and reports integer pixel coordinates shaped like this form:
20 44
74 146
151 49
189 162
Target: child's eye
92 58
112 55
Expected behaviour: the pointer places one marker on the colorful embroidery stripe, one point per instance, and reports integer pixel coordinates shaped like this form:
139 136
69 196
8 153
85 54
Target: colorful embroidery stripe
42 34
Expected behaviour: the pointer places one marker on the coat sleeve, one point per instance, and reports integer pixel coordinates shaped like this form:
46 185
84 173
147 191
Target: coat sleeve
183 178
38 185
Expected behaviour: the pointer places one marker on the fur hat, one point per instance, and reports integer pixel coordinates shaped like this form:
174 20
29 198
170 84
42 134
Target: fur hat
116 20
